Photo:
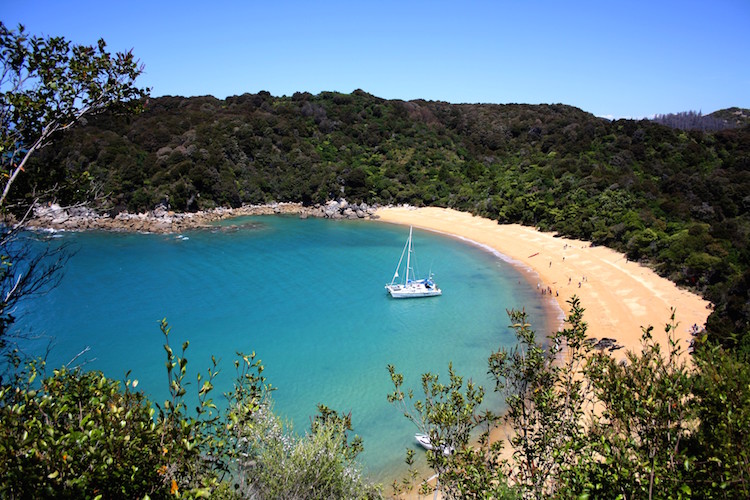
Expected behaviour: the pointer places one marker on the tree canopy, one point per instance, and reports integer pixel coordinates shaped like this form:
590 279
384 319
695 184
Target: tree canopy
48 85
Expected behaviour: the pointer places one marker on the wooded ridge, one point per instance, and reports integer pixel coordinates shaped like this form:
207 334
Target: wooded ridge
677 199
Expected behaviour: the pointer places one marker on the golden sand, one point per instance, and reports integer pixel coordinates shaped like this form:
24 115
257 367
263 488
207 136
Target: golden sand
620 297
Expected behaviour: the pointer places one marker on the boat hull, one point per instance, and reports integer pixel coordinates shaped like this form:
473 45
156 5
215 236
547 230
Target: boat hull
412 291
424 442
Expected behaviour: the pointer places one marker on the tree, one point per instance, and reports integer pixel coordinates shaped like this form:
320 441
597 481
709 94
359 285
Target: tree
647 415
546 399
721 444
274 462
582 424
447 415
47 85
79 434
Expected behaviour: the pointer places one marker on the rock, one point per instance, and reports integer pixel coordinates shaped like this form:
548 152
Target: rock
332 208
163 220
160 211
80 212
605 343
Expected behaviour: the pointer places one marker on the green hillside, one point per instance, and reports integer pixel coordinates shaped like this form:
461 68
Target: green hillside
676 199
737 117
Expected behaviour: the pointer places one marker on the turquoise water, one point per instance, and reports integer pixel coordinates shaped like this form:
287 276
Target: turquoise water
306 295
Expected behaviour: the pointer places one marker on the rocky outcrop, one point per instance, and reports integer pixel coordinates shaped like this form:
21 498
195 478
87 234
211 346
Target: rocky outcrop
163 220
341 209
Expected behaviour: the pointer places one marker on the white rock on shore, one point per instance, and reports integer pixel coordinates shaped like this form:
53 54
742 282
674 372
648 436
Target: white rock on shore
163 220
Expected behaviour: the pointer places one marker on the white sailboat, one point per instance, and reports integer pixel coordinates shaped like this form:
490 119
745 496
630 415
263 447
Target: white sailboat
410 286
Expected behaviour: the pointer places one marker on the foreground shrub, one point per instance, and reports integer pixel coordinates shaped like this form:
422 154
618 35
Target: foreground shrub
79 434
321 463
584 425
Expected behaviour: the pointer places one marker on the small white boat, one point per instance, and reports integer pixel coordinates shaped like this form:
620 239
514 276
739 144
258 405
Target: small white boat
424 441
410 286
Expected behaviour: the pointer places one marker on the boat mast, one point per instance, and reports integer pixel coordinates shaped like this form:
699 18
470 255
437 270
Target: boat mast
400 260
408 258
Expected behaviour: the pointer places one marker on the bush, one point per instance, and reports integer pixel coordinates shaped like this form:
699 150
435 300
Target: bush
319 464
79 434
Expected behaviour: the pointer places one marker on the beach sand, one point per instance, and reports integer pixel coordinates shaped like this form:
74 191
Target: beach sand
619 297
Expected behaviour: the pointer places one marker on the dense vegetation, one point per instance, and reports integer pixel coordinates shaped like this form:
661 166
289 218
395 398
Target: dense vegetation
676 199
583 425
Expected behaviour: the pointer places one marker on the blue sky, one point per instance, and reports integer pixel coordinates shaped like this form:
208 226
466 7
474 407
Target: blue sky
612 58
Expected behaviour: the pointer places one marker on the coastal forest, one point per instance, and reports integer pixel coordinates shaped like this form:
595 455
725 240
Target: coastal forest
673 193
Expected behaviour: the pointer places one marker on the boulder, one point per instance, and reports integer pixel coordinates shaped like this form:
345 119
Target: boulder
160 211
60 218
332 210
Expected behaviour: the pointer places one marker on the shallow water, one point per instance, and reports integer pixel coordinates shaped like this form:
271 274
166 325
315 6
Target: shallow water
306 295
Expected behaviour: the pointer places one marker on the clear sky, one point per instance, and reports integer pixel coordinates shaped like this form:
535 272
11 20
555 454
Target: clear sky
615 58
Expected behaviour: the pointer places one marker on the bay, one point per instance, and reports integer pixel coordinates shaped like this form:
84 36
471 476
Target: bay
306 295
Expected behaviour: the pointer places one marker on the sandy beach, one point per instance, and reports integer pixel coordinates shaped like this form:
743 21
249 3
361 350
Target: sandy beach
620 297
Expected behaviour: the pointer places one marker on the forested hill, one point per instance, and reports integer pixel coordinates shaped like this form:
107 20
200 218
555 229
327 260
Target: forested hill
718 120
677 199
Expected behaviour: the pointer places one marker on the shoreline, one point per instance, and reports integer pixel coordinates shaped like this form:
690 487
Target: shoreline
161 220
620 297
623 296
555 316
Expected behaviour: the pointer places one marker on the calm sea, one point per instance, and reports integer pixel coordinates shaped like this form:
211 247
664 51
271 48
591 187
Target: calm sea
306 295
